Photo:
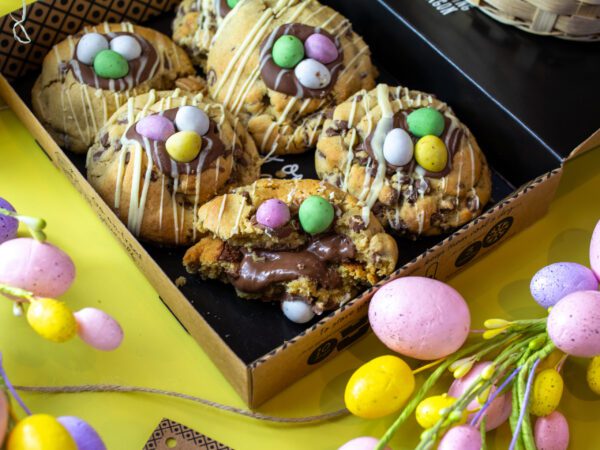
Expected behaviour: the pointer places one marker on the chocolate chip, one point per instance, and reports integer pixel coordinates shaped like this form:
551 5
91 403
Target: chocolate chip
332 132
104 140
127 158
230 254
357 224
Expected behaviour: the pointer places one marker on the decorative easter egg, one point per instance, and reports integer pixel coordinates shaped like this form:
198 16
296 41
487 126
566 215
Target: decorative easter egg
497 412
593 375
184 146
287 51
34 266
573 324
315 214
273 213
82 433
595 251
110 64
551 432
98 329
4 416
155 127
379 387
297 311
431 153
40 432
555 281
428 411
362 443
192 118
398 147
8 225
425 121
462 437
89 46
232 3
52 319
320 47
126 46
312 74
420 317
546 393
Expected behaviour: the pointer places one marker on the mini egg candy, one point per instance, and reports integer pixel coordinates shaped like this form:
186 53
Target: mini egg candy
297 311
51 319
184 146
110 64
40 432
551 432
362 443
82 433
232 3
89 46
8 225
315 214
420 317
425 121
546 393
287 51
379 387
98 329
312 74
155 127
462 437
573 324
320 47
428 411
192 118
431 153
126 46
556 281
273 213
398 147
593 375
595 251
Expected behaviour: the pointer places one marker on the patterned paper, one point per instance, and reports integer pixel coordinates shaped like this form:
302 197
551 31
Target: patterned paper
170 434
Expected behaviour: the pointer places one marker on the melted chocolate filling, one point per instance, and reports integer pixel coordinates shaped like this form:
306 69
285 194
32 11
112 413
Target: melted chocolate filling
222 8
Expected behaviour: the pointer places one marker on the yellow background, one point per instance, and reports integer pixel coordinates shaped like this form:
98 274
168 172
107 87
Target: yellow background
157 352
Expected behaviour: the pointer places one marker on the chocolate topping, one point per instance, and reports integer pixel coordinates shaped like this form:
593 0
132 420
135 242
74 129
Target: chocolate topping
222 8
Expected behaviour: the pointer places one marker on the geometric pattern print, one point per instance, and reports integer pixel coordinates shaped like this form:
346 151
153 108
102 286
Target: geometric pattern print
169 434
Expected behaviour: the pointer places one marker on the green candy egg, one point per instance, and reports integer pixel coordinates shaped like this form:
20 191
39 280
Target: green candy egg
110 64
316 214
288 51
425 121
232 3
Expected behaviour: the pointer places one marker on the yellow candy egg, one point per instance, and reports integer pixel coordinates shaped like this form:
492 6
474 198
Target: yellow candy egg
184 146
593 374
431 153
379 387
546 393
40 432
52 319
428 411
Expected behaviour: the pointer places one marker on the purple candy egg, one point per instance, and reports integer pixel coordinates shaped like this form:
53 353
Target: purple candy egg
155 127
82 433
320 47
273 213
558 280
8 225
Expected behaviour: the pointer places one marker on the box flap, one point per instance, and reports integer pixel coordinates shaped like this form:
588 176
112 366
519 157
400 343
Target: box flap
591 143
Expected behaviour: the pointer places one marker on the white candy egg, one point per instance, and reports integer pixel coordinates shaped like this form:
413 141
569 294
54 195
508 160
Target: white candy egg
398 147
297 311
312 74
128 47
191 118
89 46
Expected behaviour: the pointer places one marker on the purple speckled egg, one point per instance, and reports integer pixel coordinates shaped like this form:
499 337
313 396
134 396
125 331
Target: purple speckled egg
463 437
82 433
273 213
595 251
8 225
155 127
38 267
98 329
362 443
558 280
320 47
552 432
420 317
574 324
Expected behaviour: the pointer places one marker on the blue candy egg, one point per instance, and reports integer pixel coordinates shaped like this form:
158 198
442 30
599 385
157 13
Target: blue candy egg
553 282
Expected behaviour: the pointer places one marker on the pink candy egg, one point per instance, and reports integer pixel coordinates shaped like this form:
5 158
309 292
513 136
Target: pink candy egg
574 324
420 317
362 443
82 433
463 437
552 432
98 329
556 281
38 267
320 47
155 127
595 251
8 225
273 213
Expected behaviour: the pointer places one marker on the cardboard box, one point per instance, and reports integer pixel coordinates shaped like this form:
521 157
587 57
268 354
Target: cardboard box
256 348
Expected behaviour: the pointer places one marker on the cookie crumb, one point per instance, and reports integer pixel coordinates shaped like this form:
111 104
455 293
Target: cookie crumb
180 281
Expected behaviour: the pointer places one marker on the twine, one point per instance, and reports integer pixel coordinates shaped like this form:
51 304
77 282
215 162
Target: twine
19 27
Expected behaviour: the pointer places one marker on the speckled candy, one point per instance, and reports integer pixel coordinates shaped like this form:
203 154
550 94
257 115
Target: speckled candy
420 317
462 437
52 319
425 121
312 74
315 214
38 267
82 433
273 213
155 127
8 225
574 324
191 118
40 432
362 443
98 329
398 147
287 51
110 64
556 281
552 432
297 311
546 392
184 146
431 153
320 47
126 46
89 46
595 251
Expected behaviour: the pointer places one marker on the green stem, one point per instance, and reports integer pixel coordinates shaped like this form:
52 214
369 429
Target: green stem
483 435
35 225
16 292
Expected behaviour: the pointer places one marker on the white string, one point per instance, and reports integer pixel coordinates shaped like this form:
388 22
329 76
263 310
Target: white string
19 27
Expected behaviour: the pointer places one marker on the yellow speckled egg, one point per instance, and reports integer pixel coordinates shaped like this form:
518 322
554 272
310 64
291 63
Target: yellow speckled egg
184 146
40 432
428 411
593 374
379 387
52 319
547 392
431 153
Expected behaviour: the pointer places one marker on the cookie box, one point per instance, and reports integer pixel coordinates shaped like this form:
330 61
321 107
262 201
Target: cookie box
257 349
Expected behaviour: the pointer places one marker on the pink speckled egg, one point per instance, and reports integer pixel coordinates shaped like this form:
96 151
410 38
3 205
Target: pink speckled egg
362 443
463 437
574 324
98 329
497 412
38 267
420 317
553 282
595 251
552 432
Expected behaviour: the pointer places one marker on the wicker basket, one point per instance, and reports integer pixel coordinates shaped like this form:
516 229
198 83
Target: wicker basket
567 19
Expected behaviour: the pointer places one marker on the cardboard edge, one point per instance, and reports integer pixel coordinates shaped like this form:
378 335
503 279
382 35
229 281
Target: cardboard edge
590 143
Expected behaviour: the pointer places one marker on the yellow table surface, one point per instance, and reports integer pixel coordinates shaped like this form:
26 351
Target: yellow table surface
158 352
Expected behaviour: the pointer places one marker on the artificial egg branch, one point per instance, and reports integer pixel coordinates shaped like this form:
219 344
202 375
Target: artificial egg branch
35 225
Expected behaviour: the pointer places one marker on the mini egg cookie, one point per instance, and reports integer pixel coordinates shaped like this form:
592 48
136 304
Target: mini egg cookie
162 155
407 158
88 76
281 64
300 242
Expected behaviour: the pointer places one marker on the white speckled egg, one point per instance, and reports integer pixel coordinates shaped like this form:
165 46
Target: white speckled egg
312 74
552 432
463 437
595 251
127 46
191 118
398 147
297 311
558 280
89 46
